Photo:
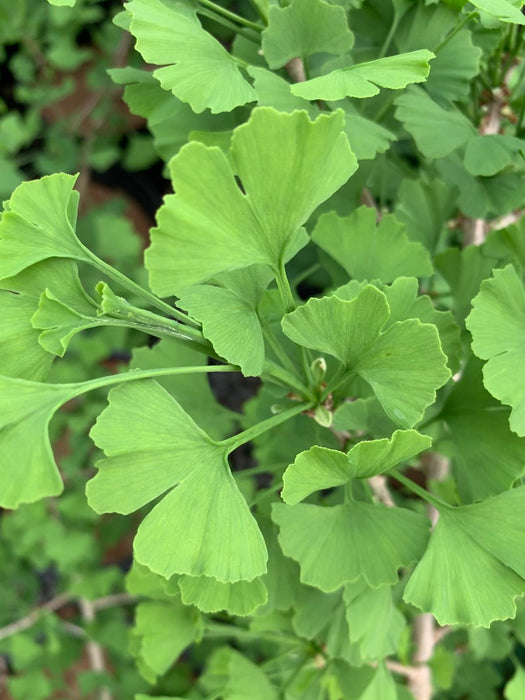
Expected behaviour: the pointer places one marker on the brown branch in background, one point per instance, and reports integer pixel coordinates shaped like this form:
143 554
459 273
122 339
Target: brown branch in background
94 650
296 71
378 484
367 199
424 629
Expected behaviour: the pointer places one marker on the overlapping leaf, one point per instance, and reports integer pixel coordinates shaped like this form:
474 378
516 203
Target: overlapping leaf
322 468
369 251
365 79
200 71
473 568
29 471
407 354
229 316
39 223
303 28
349 541
154 448
212 596
287 165
503 10
497 326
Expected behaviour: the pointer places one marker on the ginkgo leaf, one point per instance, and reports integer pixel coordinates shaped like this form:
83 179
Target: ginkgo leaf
62 3
503 10
29 472
233 676
425 207
366 137
473 568
192 391
211 596
229 317
274 91
152 446
39 223
303 28
482 467
498 336
374 622
423 119
322 468
20 351
369 251
195 66
287 165
163 630
405 302
407 354
365 79
487 154
348 541
515 688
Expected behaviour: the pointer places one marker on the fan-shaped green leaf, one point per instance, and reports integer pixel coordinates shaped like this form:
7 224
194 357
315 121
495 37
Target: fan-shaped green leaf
196 67
407 354
321 468
498 331
365 79
304 28
374 622
229 316
39 223
192 391
503 10
152 445
369 251
233 676
29 472
211 596
515 688
366 137
349 541
487 154
473 568
482 467
287 164
164 630
423 119
425 207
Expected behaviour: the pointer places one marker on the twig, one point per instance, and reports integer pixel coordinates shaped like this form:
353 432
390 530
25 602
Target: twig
94 650
296 71
32 618
378 484
367 199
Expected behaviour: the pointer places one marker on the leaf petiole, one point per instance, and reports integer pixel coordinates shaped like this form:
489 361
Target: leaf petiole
230 15
415 488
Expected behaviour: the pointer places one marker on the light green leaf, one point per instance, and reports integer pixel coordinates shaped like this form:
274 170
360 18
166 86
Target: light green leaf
39 223
229 317
62 3
487 154
497 326
29 471
515 688
211 596
374 622
164 630
287 165
321 468
235 677
365 79
304 28
192 391
368 250
503 10
407 354
454 67
196 67
473 568
482 467
274 91
349 541
423 119
152 446
425 208
404 302
366 137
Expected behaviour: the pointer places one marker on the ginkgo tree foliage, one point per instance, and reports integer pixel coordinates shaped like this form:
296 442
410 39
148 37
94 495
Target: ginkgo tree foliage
343 223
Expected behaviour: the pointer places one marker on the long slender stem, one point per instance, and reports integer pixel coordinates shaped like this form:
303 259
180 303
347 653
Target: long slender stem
231 15
128 283
284 288
131 376
415 488
276 346
287 379
453 33
254 431
247 33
